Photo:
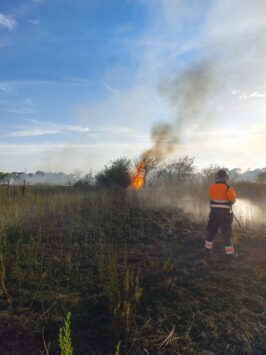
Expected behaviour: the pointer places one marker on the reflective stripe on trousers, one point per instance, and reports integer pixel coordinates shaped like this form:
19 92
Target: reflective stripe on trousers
229 250
208 245
220 218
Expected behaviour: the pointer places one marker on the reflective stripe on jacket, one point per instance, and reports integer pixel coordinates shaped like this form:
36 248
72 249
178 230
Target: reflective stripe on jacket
221 196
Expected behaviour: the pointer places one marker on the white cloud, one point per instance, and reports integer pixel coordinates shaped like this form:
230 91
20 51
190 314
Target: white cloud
75 128
230 148
7 22
47 128
31 132
227 148
119 130
63 156
230 42
255 94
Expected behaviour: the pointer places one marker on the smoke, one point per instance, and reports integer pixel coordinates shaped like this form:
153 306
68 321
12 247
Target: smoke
223 85
164 143
190 94
198 68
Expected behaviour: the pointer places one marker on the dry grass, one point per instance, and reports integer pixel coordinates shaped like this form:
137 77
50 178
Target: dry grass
130 271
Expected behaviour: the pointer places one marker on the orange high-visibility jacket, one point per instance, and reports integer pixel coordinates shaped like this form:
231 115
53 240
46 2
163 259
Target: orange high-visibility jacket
221 196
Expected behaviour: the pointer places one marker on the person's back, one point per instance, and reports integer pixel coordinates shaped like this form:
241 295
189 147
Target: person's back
221 197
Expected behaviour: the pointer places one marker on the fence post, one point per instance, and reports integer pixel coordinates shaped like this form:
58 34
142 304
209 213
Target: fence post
23 187
8 190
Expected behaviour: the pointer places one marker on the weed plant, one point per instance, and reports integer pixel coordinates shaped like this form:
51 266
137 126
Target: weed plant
64 339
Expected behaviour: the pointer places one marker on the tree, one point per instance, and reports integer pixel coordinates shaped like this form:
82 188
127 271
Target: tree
3 175
177 171
261 178
148 165
234 174
210 172
181 169
117 174
39 173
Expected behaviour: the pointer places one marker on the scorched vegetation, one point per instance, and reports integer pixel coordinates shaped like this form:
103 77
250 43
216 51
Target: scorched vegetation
129 270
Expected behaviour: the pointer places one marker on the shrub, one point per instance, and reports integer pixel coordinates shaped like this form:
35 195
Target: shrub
176 171
115 175
86 183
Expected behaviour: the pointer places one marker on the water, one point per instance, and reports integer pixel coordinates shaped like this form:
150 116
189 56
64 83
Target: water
249 213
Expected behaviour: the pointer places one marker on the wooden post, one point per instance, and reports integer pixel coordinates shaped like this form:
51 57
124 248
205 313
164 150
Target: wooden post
23 187
8 189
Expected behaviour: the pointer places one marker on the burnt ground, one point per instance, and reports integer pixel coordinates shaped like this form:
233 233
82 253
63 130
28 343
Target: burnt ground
135 280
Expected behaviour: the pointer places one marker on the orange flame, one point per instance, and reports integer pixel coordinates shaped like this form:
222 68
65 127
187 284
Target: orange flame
138 179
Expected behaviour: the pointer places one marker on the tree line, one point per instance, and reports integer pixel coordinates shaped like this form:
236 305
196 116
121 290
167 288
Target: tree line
120 171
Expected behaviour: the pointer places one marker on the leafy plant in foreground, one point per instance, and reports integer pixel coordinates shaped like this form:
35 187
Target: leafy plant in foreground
65 337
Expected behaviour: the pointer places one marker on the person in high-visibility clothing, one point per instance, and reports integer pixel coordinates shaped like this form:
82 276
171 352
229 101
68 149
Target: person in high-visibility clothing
222 197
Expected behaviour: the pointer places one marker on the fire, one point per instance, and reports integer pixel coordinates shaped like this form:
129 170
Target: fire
138 179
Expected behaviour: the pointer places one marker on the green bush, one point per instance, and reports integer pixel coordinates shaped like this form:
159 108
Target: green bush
115 175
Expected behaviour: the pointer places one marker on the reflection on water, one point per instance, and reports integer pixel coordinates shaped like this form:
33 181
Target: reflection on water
245 207
246 211
251 213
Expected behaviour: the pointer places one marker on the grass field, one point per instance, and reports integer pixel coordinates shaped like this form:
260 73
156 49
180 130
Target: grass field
132 273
